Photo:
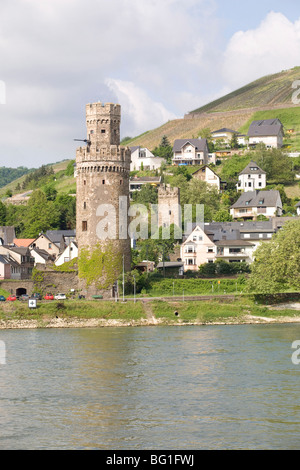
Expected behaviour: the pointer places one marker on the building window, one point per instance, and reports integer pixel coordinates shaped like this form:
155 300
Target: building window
84 225
84 205
170 212
102 131
210 250
84 182
103 181
50 245
121 181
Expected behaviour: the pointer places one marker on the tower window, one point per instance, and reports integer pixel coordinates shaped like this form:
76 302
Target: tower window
84 225
84 205
84 182
121 181
102 131
103 181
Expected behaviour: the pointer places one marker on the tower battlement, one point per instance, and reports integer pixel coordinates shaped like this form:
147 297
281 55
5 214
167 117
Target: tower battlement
102 109
104 153
166 191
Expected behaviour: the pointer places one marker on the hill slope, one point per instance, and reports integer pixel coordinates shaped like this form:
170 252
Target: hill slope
236 110
270 90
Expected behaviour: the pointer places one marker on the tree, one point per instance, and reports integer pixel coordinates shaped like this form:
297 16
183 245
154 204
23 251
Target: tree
2 213
40 215
147 195
276 267
164 150
222 215
199 192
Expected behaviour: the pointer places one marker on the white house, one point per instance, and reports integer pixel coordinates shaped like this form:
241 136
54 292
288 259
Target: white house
267 131
143 159
251 204
190 152
69 253
206 245
252 177
298 208
205 173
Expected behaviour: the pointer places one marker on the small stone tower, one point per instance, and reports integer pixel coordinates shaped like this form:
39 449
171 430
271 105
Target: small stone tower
169 206
102 177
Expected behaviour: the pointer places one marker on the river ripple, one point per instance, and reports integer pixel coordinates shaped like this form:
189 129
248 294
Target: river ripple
181 387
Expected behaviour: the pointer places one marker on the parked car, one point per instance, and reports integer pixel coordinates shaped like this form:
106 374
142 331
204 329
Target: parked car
49 297
2 298
11 298
60 297
36 296
24 297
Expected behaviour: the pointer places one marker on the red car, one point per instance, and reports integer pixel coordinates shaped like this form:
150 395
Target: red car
49 297
11 297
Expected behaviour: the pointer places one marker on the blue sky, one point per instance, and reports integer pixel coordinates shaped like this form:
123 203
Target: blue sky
157 58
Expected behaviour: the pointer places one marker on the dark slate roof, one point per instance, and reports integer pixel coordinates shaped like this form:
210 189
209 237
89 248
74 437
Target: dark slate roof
225 129
4 259
252 199
199 144
250 169
21 250
265 127
44 254
8 260
133 149
56 235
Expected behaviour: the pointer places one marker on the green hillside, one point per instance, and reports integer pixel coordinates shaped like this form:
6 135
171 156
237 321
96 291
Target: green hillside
267 91
60 180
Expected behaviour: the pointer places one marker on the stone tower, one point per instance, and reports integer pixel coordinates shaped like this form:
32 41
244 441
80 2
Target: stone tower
102 177
169 206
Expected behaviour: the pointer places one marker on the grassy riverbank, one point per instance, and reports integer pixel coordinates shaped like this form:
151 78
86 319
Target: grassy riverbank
72 313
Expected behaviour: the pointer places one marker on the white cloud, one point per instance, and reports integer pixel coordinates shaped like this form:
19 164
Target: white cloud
273 46
144 112
55 57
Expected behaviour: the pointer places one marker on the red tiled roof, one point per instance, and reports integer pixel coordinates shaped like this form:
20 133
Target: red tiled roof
23 241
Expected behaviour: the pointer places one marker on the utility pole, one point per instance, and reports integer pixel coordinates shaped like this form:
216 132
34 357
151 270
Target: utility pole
123 281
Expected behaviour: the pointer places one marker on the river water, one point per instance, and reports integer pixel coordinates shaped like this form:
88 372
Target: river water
181 387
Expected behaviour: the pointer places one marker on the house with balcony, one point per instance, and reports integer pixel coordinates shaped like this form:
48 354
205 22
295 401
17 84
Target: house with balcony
251 204
206 244
267 131
190 152
143 159
251 178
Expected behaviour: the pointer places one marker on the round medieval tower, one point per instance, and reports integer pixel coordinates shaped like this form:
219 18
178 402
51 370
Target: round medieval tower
102 176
